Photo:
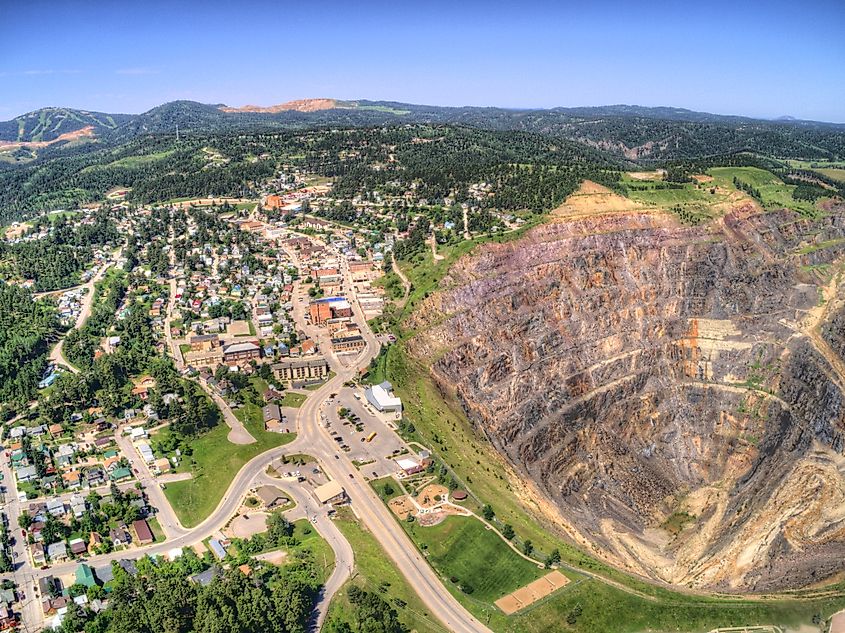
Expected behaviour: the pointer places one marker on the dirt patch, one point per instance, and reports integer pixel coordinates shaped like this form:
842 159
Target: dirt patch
88 130
300 105
247 525
432 518
532 592
702 178
646 175
402 506
238 328
431 495
276 557
594 199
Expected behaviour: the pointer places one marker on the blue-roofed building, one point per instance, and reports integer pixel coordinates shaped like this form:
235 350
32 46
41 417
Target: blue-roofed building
217 548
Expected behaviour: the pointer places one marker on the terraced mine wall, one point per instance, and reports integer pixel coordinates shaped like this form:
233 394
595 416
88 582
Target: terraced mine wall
676 391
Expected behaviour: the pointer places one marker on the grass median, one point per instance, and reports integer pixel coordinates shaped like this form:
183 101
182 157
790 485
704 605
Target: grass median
213 464
375 572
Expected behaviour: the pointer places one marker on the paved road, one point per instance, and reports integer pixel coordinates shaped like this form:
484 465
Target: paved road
314 439
167 518
57 353
309 508
238 433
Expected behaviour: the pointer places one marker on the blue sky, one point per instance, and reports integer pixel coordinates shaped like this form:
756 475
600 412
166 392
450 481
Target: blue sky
762 59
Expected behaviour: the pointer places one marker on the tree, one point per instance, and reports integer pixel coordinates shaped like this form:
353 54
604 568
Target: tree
527 548
507 531
487 512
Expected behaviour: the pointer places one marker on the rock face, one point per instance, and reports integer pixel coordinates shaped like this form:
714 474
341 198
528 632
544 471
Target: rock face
676 391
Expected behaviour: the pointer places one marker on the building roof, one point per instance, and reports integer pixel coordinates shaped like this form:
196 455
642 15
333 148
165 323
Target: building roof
142 529
407 464
57 550
241 347
270 495
217 548
382 397
271 412
204 578
328 491
85 576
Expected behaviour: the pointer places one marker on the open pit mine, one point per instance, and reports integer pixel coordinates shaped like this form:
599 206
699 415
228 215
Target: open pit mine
675 391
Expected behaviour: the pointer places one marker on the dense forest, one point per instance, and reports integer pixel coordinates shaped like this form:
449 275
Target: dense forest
56 260
161 597
438 146
27 328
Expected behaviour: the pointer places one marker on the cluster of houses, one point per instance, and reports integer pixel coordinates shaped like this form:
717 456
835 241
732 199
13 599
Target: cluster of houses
43 459
69 306
121 535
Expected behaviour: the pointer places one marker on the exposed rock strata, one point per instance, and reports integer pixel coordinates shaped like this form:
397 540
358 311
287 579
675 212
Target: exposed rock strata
635 368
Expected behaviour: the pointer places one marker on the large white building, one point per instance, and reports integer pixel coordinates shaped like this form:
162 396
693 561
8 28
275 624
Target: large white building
382 398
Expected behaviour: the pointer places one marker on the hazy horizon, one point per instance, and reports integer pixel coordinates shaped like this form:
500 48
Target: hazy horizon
760 60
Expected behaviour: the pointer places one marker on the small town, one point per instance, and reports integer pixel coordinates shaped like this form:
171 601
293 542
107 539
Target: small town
448 318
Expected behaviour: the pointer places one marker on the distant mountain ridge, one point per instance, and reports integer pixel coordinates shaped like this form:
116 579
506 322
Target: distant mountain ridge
633 133
48 124
299 105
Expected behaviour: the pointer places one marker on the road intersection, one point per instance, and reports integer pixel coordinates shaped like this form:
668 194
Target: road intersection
312 439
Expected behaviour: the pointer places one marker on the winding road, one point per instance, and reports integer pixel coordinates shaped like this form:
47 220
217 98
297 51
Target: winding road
57 353
313 439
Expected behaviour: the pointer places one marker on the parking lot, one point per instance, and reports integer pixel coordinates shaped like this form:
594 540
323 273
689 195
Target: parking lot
366 439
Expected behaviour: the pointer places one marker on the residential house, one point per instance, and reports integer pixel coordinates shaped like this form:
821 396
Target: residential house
272 417
142 532
72 479
57 552
56 507
38 554
78 546
119 537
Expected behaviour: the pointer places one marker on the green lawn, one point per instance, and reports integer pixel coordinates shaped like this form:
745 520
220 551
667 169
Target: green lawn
293 400
375 571
463 549
214 463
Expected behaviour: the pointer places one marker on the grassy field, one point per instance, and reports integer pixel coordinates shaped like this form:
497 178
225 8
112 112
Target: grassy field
311 542
693 202
131 162
214 463
774 192
466 553
374 571
292 400
835 173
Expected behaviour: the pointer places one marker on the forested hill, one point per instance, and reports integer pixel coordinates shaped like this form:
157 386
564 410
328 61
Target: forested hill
49 124
631 132
225 152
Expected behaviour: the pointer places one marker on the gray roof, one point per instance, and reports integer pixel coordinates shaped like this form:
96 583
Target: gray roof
271 412
204 578
57 550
